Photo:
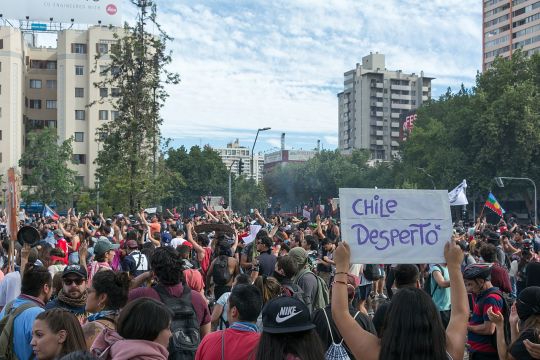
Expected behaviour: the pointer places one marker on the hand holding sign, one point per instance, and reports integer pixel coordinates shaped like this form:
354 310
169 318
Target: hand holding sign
385 226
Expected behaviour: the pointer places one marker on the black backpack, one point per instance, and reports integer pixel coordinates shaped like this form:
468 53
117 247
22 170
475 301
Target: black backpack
185 329
372 272
506 315
220 272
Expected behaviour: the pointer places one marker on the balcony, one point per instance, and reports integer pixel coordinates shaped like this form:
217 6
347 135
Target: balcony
425 98
400 87
395 133
379 123
379 142
425 88
379 113
395 115
394 124
379 94
402 106
379 104
379 133
379 85
395 143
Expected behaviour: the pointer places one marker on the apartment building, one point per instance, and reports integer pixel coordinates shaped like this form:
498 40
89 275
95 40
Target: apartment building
233 153
509 25
373 102
54 87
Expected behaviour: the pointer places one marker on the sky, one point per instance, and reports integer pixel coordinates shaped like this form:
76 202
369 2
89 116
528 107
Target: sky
249 64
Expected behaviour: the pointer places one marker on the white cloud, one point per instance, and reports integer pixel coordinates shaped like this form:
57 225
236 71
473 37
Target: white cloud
246 65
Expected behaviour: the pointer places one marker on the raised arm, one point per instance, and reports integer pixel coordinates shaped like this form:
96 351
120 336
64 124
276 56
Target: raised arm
362 343
198 248
456 332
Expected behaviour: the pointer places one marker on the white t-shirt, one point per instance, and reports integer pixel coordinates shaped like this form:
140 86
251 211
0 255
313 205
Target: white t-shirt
177 242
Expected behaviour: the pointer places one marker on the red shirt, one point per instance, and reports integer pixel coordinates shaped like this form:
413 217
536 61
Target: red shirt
500 278
62 244
239 345
199 304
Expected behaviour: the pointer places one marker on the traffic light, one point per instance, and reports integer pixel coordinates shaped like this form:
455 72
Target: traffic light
240 167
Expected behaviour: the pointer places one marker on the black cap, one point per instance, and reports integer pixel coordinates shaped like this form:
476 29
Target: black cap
75 269
286 315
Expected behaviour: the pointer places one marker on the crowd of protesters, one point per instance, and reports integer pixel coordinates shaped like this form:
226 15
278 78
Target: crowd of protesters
222 286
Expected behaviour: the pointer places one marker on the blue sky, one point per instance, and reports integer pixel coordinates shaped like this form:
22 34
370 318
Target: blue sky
248 64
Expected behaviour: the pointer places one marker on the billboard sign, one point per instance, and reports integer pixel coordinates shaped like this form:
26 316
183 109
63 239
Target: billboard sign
300 155
106 12
273 157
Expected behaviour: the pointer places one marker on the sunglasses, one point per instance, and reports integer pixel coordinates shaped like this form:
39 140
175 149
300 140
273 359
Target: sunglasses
71 281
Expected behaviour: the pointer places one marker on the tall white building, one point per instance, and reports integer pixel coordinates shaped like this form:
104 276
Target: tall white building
233 153
373 103
53 87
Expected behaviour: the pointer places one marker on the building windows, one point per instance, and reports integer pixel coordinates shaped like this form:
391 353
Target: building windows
115 92
102 48
79 180
35 84
79 70
528 41
77 48
115 114
103 115
51 84
79 159
79 137
80 115
0 134
79 92
35 104
1 43
51 104
43 64
103 92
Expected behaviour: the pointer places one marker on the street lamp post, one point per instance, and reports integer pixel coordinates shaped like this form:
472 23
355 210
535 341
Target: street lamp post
230 187
429 176
499 181
253 148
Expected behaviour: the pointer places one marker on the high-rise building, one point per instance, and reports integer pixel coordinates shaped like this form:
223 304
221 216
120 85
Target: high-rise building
234 155
373 103
508 25
54 87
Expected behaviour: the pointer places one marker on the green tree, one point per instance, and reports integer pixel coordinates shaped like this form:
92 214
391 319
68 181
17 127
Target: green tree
45 164
247 195
129 159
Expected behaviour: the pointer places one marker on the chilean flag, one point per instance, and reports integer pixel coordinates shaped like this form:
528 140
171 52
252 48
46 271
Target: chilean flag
48 212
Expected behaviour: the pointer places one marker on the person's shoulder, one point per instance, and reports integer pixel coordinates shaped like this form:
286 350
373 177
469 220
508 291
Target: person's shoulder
52 304
143 292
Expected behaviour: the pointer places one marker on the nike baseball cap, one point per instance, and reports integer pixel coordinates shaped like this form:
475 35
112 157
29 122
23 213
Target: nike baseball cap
286 315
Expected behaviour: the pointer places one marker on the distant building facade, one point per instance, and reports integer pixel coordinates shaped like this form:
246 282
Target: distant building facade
373 103
509 25
233 153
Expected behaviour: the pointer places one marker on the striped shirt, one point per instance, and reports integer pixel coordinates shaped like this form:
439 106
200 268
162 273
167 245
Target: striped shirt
484 300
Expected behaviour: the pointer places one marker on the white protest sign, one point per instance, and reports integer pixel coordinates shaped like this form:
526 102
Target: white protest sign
390 226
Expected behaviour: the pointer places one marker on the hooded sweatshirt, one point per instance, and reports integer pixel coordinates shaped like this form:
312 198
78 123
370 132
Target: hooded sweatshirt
118 348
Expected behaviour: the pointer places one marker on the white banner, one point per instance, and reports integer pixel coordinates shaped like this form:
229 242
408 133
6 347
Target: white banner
458 195
108 12
387 226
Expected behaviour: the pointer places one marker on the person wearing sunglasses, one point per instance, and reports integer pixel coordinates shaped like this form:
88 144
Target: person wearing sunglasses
72 296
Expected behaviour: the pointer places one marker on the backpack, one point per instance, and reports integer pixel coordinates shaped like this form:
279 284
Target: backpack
294 291
185 329
220 272
336 351
6 329
372 272
322 296
506 315
427 284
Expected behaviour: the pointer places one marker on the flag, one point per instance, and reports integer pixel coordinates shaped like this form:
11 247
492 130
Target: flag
494 205
458 196
48 212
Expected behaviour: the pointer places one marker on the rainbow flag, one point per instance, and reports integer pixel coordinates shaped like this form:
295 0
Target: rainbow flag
494 205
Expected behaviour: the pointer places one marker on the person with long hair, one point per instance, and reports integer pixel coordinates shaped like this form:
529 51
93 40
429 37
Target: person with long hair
288 332
412 328
107 295
524 325
142 333
270 289
56 333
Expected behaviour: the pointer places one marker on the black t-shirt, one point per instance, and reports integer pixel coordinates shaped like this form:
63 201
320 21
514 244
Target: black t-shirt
518 350
321 326
267 264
